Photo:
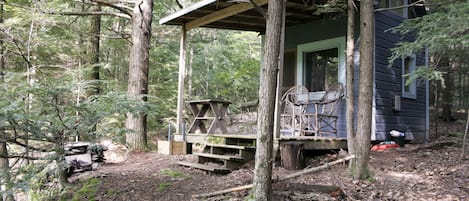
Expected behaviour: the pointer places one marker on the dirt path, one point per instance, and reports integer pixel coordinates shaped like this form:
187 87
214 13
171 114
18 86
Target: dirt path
410 173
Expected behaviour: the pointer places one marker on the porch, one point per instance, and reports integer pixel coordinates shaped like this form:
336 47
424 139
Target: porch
310 142
222 153
230 148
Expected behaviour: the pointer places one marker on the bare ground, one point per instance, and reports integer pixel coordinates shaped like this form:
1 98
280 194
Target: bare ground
430 171
415 172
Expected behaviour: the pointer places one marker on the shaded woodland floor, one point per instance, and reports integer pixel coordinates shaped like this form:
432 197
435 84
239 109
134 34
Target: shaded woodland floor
429 171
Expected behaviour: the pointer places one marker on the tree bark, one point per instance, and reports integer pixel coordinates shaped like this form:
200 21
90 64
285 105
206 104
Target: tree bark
447 93
4 163
138 72
291 154
93 52
363 138
350 77
463 148
4 169
267 90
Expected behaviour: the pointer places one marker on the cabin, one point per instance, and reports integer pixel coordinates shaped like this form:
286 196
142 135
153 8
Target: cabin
313 56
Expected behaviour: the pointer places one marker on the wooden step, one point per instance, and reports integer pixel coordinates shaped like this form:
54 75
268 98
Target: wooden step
216 169
217 156
250 137
228 146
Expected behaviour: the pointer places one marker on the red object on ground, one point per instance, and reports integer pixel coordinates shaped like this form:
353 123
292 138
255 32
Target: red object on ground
382 147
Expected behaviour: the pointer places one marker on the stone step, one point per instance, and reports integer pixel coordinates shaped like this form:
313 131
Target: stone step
211 168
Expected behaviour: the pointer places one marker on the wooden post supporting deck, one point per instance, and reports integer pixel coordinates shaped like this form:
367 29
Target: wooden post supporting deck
292 156
182 72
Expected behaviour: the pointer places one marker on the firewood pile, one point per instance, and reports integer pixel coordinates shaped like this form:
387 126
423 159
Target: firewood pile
83 156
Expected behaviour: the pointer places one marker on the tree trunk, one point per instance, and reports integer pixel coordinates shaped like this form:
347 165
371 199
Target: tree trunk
350 77
4 163
463 149
265 119
362 146
61 171
93 52
4 170
138 71
447 93
291 154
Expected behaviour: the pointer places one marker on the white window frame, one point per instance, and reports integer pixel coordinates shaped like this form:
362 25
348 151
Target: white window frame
405 3
302 49
412 93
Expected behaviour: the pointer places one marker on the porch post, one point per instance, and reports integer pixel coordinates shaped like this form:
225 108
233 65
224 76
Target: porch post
182 72
278 94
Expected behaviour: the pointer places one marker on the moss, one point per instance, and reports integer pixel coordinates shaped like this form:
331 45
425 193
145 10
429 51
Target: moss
215 140
250 197
87 191
173 173
163 186
111 192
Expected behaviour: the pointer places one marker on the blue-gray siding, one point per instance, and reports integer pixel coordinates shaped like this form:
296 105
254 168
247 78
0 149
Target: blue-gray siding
317 31
388 83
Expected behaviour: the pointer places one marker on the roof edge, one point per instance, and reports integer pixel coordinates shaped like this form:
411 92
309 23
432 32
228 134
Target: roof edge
186 10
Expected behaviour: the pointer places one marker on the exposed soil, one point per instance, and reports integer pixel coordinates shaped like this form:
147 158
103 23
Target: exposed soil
416 172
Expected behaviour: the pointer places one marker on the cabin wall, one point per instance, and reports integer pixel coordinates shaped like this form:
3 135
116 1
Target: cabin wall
388 83
307 33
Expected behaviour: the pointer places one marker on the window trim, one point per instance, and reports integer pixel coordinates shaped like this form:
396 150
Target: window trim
405 9
412 93
338 42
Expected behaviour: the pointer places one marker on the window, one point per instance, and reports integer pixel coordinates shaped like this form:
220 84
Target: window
321 69
397 5
321 64
409 88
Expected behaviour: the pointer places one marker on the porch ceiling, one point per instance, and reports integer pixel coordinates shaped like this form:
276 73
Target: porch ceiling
239 14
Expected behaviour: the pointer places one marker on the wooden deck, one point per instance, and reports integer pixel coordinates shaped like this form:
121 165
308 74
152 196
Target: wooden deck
222 153
310 142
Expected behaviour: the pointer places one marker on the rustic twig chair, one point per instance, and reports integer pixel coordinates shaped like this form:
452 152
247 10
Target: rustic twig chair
324 118
293 103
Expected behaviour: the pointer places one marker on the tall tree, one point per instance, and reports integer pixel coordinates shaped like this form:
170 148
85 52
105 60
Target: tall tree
365 85
93 51
265 120
4 163
350 76
138 71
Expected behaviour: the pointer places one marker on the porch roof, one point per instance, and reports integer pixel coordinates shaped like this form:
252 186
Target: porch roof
239 14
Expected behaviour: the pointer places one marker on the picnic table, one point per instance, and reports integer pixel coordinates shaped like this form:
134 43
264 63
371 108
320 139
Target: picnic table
209 115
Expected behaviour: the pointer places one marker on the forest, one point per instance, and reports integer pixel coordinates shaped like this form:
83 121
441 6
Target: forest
107 71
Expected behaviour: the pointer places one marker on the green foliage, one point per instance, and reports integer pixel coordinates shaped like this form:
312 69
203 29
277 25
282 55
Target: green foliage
111 192
43 90
163 186
87 191
444 33
332 7
455 134
173 173
46 115
225 65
